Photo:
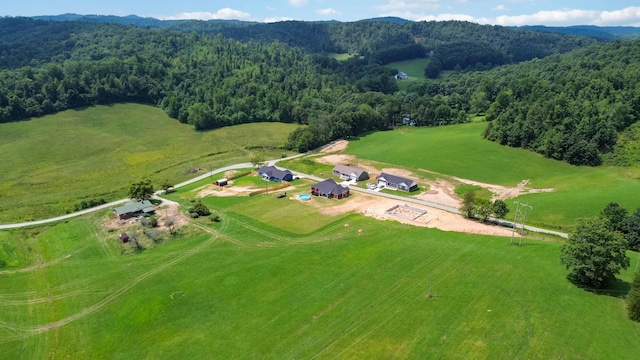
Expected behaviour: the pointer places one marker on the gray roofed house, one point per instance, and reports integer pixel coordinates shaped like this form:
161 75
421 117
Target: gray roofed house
330 189
272 173
397 182
134 208
350 173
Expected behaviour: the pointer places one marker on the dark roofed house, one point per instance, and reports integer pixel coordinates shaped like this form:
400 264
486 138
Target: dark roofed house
397 182
330 189
272 173
350 173
134 208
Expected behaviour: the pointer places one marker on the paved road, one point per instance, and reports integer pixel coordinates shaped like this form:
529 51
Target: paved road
273 162
122 201
430 204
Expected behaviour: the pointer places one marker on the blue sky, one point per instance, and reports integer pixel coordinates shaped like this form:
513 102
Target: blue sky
498 12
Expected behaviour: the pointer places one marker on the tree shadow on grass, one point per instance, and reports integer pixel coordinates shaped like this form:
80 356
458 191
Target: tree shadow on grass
614 288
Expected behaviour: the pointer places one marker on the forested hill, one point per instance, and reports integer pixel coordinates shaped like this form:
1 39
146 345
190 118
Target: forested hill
364 37
205 80
608 33
570 107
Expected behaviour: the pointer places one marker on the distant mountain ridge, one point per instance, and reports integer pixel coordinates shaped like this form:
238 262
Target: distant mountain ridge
606 33
592 31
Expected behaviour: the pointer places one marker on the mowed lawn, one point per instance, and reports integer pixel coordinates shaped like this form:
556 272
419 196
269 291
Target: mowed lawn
52 163
253 290
461 151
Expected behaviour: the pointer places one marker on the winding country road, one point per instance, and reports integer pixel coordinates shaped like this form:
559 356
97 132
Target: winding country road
273 162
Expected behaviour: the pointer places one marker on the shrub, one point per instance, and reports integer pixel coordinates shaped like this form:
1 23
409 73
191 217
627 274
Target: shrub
199 209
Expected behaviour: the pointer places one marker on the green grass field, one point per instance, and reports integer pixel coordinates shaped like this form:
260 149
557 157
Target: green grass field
278 278
52 163
460 151
341 57
261 287
414 69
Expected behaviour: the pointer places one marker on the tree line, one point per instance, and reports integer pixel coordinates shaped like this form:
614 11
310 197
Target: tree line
569 107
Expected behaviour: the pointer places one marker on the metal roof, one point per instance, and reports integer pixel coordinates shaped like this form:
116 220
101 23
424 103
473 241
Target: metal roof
135 206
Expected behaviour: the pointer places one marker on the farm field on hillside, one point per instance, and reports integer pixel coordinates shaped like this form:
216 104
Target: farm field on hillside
252 289
52 163
460 151
414 69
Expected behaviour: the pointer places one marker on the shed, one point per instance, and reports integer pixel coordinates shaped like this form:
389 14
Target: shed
222 182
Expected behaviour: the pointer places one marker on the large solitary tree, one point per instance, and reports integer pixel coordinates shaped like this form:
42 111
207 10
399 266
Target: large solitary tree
633 299
141 190
594 253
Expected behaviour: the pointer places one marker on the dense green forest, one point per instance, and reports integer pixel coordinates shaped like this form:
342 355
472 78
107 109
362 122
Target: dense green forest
570 107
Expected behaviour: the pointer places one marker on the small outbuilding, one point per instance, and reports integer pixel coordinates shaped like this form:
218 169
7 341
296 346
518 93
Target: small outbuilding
134 208
222 182
350 173
397 182
330 189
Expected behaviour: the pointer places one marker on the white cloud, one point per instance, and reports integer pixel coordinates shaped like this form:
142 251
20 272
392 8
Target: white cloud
405 5
277 19
328 11
222 14
629 16
500 8
298 3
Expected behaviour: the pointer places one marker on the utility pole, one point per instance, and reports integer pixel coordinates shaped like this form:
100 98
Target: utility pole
524 219
523 216
515 220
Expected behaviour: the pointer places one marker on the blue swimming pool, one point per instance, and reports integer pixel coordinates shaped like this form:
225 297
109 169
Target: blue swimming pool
304 197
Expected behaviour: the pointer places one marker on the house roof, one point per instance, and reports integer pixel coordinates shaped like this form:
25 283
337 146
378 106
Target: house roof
329 186
273 171
343 169
134 206
397 180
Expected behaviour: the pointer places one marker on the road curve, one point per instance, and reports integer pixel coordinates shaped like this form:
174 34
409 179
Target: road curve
122 201
272 162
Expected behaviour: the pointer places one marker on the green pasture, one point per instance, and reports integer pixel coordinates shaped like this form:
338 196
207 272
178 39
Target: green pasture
52 163
461 151
257 287
414 69
307 165
341 56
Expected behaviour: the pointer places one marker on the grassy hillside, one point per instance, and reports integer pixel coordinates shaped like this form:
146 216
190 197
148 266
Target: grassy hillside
414 69
255 290
54 162
461 151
